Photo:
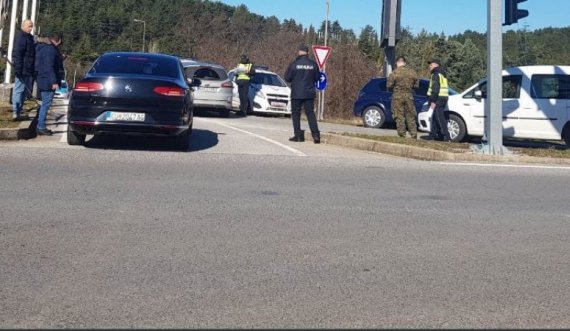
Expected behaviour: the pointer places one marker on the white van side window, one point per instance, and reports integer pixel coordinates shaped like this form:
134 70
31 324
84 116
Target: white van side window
550 87
511 88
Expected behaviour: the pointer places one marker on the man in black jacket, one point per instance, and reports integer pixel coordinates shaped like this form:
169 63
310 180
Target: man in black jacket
23 56
50 74
302 74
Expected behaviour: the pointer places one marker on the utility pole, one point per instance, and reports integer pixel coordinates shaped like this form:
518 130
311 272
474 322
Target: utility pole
25 10
8 73
34 12
390 32
494 100
144 32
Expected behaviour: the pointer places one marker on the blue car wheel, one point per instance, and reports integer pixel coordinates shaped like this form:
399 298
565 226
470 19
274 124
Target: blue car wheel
373 117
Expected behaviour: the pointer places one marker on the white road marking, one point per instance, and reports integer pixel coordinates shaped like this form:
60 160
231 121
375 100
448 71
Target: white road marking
290 149
505 165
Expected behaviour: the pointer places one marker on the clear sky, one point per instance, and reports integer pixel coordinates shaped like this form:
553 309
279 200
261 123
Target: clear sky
448 16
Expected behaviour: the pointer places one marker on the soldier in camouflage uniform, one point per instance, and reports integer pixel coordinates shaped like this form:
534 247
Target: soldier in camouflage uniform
402 81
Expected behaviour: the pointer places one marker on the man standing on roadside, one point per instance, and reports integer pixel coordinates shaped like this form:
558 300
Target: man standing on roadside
402 82
302 74
50 69
245 70
438 93
23 57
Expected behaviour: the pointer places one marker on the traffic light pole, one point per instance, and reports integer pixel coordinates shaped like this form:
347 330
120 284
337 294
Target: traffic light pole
494 100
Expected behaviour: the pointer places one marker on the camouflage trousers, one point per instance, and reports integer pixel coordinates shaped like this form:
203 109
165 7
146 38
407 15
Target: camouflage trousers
404 114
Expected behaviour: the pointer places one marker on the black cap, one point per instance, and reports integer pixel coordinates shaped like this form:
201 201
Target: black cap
303 48
436 61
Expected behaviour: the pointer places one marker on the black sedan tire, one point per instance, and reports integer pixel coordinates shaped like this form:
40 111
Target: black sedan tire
373 117
75 138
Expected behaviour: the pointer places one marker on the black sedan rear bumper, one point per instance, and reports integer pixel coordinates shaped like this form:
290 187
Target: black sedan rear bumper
90 127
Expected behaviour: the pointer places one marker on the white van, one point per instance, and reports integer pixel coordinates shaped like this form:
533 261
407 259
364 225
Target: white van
536 105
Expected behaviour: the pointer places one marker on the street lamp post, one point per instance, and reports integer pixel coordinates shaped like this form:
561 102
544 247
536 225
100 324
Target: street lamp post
144 31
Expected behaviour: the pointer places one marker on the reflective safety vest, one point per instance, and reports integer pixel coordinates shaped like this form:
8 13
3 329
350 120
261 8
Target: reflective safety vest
243 70
443 86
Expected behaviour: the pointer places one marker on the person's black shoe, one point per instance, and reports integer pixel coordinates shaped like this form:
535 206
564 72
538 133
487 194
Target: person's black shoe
44 132
297 138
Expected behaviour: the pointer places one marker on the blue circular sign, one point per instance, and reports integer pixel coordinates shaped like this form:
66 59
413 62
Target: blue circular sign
321 84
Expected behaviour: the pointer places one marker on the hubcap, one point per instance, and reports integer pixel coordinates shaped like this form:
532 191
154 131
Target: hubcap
453 128
372 117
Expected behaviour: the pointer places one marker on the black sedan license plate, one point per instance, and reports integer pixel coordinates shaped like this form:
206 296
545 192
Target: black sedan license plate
129 117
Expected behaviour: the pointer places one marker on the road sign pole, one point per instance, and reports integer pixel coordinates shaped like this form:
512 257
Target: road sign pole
494 99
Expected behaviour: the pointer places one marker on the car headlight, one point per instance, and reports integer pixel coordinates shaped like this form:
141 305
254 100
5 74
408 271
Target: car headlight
425 107
260 94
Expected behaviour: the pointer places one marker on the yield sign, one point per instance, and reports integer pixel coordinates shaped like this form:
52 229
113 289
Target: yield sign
321 54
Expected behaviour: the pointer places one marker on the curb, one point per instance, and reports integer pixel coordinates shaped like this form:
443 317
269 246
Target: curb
425 154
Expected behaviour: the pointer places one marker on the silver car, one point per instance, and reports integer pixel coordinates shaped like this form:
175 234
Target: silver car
215 90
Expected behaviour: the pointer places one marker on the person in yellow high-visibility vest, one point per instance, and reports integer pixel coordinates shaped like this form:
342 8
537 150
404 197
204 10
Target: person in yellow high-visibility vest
438 93
245 70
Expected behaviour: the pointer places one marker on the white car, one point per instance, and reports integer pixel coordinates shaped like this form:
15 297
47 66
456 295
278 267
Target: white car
536 105
215 90
268 93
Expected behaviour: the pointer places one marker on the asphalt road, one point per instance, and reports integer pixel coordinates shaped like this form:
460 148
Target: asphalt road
249 230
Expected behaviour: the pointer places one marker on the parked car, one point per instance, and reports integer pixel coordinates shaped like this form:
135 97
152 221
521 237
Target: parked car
268 93
62 92
132 93
536 105
374 102
215 91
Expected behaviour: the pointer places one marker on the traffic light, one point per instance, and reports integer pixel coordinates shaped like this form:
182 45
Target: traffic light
513 13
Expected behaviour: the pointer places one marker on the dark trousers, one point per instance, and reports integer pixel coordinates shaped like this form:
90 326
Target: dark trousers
243 90
439 127
309 106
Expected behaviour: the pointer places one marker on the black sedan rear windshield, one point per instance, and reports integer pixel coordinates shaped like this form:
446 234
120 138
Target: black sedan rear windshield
135 65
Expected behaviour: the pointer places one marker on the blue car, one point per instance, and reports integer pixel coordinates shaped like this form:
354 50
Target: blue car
374 102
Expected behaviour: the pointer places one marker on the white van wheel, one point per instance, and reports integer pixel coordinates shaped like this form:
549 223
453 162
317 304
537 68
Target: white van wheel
456 128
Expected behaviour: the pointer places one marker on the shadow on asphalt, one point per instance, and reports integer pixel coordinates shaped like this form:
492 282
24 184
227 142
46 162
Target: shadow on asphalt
199 141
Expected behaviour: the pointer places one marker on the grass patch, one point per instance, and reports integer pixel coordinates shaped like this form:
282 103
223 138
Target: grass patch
556 151
6 118
6 114
559 152
430 144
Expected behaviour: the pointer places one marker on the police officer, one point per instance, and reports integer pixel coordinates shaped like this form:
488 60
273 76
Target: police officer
245 70
402 81
438 93
302 74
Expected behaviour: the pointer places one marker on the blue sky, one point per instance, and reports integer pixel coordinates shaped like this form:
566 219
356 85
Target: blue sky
448 16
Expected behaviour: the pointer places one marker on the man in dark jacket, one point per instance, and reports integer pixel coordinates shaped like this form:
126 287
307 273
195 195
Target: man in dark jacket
438 94
245 70
49 65
302 74
23 56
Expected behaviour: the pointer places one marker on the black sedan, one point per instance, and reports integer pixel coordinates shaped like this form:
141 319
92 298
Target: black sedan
132 93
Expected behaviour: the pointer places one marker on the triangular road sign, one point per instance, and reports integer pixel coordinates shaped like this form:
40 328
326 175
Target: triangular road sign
321 54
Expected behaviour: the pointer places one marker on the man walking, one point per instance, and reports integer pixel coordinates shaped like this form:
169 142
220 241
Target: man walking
245 70
23 56
302 74
50 69
438 93
402 82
